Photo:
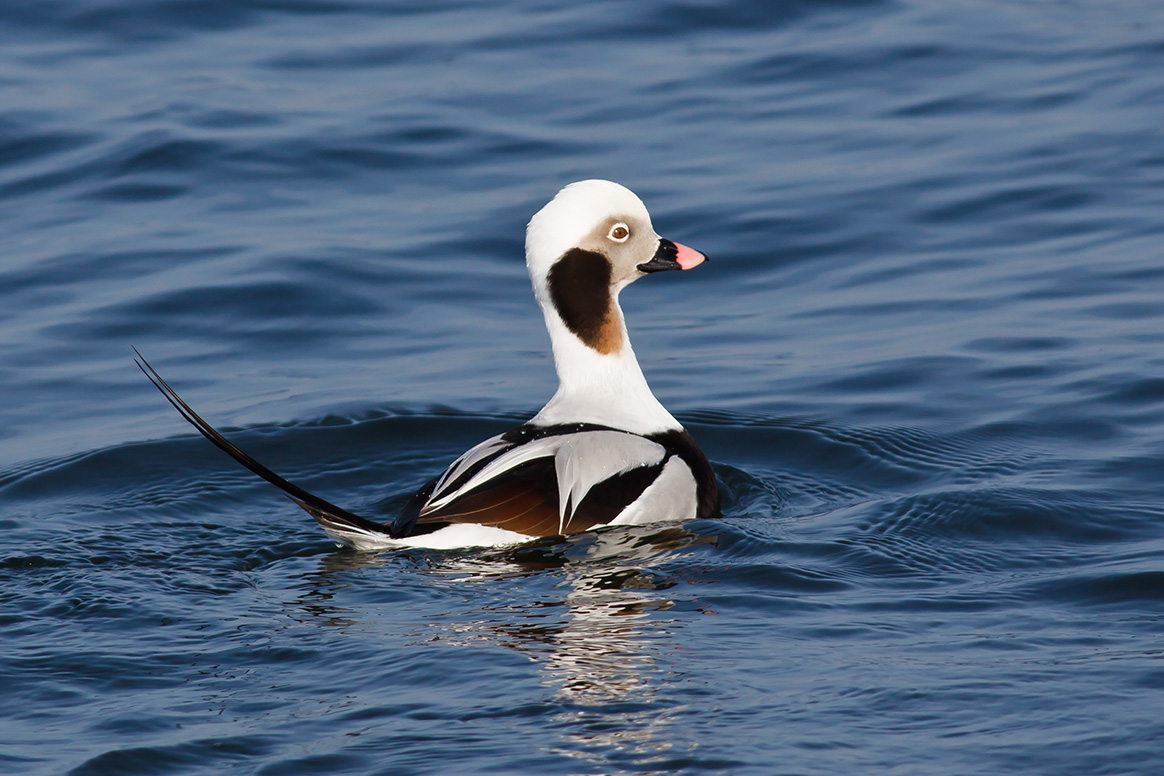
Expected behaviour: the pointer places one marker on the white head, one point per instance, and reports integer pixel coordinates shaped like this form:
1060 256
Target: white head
591 240
588 243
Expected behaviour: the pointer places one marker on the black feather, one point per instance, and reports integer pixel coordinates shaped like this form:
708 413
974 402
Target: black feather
326 513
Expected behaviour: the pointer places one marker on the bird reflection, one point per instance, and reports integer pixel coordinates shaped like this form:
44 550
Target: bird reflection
597 644
599 658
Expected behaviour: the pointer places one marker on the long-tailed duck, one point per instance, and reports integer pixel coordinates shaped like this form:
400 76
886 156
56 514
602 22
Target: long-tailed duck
603 451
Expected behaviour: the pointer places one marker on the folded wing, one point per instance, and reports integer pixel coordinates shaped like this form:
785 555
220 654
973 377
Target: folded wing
545 482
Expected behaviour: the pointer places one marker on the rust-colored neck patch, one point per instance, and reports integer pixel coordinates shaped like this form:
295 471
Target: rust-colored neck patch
579 285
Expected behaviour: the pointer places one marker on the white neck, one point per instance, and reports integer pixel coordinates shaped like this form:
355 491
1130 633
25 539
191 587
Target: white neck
607 389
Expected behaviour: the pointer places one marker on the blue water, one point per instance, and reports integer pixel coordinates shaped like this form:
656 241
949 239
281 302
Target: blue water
927 360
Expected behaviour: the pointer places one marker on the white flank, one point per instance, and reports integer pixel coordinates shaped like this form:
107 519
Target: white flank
586 459
451 537
671 497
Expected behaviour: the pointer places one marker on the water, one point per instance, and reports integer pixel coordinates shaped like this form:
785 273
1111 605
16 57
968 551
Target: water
926 360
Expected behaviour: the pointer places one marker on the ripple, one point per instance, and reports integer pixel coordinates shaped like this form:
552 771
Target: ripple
924 360
27 141
1139 590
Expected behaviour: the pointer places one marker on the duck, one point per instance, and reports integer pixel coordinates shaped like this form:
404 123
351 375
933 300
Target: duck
602 452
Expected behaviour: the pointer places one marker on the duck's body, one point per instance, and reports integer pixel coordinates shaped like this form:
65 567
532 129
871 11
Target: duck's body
603 451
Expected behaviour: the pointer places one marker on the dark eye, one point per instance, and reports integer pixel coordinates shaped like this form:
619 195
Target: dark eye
619 233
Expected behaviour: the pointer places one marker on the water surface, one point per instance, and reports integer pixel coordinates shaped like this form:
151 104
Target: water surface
926 360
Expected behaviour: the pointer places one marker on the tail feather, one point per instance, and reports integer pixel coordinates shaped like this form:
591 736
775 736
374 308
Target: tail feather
340 524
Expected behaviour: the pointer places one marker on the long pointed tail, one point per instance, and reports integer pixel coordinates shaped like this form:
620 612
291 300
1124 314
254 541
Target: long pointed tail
340 524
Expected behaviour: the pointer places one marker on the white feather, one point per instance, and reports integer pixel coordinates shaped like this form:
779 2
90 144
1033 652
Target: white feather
507 461
468 460
463 535
450 537
585 459
671 497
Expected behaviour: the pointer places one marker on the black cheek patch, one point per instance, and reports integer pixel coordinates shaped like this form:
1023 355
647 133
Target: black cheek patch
579 285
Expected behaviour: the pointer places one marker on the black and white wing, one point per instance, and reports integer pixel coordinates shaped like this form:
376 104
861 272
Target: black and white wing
558 480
